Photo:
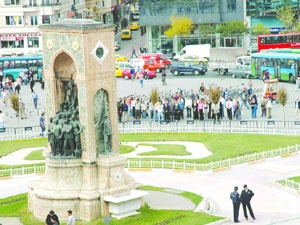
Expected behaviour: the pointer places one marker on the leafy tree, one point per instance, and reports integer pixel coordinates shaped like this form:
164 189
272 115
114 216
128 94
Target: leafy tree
14 98
286 15
207 29
181 26
260 29
282 98
233 28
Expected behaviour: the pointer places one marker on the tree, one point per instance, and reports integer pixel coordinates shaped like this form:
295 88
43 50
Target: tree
14 98
206 29
233 28
282 98
286 15
260 29
154 95
214 94
181 26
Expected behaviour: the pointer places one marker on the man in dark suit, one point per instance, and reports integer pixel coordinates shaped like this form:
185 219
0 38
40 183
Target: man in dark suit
235 197
51 217
246 197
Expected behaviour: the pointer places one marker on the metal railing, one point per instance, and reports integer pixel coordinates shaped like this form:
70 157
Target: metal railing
175 165
290 183
141 126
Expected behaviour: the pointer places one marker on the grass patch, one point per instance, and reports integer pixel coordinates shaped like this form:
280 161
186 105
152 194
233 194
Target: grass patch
124 149
17 206
196 199
35 155
222 145
165 149
296 179
11 146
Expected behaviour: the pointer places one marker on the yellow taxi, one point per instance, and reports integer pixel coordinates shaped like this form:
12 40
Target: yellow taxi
134 26
118 71
119 58
125 34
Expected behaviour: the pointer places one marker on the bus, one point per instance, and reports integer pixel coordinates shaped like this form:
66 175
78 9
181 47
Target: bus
11 67
268 41
281 66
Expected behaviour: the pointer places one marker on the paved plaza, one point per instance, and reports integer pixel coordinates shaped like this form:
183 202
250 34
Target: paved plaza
127 88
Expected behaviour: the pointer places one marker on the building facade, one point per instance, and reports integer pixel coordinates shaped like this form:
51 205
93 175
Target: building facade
155 15
20 20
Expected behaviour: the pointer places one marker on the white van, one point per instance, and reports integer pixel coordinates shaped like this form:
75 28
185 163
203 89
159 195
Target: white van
202 51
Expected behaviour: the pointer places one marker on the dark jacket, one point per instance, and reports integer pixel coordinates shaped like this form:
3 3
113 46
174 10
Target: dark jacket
246 196
235 197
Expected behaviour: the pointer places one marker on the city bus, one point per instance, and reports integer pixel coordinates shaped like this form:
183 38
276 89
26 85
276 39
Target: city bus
12 66
281 66
273 41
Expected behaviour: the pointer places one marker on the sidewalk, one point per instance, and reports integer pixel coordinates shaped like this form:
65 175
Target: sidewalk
10 221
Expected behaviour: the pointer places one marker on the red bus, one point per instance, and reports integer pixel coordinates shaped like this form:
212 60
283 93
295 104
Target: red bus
268 41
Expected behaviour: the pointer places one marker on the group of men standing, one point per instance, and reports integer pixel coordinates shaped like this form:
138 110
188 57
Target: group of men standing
243 199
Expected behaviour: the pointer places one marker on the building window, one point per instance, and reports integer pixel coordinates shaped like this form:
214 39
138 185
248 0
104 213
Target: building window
12 2
231 5
33 20
33 42
12 44
32 3
46 3
46 19
14 20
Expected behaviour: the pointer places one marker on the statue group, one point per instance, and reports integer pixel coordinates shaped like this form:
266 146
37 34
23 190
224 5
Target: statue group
64 128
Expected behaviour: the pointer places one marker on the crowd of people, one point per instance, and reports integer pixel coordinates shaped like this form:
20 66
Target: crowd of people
193 105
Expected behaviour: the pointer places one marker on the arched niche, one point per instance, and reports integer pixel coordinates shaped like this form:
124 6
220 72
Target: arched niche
64 71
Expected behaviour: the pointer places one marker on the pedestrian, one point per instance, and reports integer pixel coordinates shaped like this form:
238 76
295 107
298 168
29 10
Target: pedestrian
269 108
266 75
235 197
263 106
132 71
246 197
238 113
141 78
163 78
133 53
52 218
22 109
42 124
297 83
71 218
297 107
31 84
2 120
35 98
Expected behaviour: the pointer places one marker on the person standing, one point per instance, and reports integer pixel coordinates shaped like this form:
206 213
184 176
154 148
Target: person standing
263 106
35 98
235 198
71 218
22 109
229 106
42 124
246 197
141 78
269 108
2 120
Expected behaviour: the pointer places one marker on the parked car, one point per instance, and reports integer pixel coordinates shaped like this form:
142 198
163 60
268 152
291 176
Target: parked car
121 66
119 57
178 68
152 65
193 58
127 75
117 46
158 57
134 26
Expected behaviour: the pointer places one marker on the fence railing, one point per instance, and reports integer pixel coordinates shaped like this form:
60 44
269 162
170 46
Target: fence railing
138 126
290 183
165 164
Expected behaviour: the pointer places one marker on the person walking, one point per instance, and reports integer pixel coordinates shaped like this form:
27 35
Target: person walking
2 120
141 78
133 53
35 98
235 198
71 218
22 109
163 78
246 197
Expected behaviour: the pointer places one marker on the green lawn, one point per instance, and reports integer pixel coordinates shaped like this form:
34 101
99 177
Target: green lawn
124 149
296 179
35 155
165 149
17 206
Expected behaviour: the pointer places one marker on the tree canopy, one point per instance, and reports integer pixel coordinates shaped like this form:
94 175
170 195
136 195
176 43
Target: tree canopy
181 26
233 28
260 29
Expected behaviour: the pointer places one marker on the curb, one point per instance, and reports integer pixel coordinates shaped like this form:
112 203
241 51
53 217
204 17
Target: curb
220 222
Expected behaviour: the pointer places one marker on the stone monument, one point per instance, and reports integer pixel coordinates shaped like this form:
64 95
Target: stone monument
84 166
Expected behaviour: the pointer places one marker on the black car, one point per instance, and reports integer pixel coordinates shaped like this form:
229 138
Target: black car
178 68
